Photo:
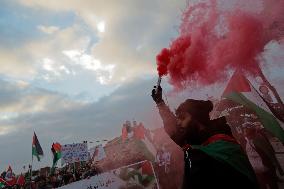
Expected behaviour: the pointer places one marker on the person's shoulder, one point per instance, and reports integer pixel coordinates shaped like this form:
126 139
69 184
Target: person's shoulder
198 155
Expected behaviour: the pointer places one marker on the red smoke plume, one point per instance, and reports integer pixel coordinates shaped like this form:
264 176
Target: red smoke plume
213 40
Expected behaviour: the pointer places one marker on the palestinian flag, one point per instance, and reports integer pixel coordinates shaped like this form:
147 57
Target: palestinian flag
10 177
142 174
56 151
234 156
3 183
240 90
36 148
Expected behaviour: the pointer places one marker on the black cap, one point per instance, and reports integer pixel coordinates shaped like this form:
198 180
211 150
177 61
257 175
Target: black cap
199 109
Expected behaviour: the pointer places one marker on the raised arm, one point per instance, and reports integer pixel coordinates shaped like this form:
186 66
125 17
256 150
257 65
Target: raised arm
169 119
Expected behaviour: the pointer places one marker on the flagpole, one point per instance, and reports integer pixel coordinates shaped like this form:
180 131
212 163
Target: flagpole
31 172
32 165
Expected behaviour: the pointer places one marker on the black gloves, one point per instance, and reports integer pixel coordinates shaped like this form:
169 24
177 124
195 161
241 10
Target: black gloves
157 95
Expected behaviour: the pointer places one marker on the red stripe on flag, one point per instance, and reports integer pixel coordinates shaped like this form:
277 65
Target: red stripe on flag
238 83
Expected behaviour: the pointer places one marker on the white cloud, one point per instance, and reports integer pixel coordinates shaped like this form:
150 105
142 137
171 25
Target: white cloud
136 31
101 26
22 84
54 69
63 68
48 64
48 29
8 115
72 54
104 73
16 99
46 53
14 63
72 37
4 130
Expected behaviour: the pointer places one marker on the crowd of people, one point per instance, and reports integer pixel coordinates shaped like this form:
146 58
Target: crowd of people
205 142
60 177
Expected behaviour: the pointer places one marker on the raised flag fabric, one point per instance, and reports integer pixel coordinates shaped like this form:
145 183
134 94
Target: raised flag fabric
234 156
10 177
3 183
241 91
144 174
56 151
36 148
147 168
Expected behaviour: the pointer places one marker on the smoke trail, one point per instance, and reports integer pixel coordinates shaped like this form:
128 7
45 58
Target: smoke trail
214 40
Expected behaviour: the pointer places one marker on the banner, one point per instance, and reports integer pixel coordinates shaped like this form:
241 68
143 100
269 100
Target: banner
140 175
71 153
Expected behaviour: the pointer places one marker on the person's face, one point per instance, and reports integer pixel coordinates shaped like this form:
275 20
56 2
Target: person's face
183 119
190 126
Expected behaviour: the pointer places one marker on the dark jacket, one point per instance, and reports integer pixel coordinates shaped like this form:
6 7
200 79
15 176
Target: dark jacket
210 168
203 171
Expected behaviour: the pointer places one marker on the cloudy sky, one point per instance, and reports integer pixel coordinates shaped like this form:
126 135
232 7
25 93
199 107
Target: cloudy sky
74 70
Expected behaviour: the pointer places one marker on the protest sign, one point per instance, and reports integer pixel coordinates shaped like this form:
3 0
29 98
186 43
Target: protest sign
74 153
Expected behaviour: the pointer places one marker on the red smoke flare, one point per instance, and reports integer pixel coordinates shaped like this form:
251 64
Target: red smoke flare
163 60
213 40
